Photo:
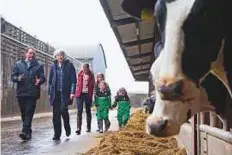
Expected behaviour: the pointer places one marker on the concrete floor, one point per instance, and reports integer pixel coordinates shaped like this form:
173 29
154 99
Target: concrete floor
42 143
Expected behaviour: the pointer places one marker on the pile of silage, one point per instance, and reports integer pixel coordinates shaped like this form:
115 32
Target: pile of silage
132 140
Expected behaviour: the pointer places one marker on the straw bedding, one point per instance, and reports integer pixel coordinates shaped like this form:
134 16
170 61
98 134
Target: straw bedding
132 140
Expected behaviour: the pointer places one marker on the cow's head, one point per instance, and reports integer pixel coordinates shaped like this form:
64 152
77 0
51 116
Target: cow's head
192 32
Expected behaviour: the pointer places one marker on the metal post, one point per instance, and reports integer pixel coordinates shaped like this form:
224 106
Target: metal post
194 136
213 121
202 118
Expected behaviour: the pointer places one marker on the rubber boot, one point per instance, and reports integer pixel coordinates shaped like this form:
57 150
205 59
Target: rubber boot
107 125
101 126
98 126
120 126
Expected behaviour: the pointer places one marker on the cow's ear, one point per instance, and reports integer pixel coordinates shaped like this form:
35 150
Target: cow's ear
135 7
217 93
157 49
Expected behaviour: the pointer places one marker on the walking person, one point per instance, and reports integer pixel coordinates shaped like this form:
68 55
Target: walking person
62 86
103 104
84 93
100 77
28 73
123 101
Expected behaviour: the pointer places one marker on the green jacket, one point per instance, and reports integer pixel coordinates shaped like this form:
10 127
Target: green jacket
103 103
123 103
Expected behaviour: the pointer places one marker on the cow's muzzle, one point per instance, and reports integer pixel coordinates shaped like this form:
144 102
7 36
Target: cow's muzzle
160 127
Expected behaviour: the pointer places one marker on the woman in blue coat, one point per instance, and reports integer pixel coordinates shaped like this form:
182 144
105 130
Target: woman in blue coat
62 86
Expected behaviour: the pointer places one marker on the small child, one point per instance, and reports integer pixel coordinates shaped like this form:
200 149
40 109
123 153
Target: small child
124 106
100 77
103 104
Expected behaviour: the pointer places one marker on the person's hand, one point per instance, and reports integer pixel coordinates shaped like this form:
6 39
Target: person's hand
20 77
72 96
37 82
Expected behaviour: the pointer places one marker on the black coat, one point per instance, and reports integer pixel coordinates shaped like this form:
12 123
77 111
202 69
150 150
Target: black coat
68 82
26 87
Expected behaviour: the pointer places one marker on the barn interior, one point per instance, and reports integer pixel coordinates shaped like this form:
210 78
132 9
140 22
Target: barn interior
206 133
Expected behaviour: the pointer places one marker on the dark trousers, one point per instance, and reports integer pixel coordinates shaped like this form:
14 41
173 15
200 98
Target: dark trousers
58 111
88 103
27 107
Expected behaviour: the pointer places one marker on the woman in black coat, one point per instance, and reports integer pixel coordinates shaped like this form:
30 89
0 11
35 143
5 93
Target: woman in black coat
62 86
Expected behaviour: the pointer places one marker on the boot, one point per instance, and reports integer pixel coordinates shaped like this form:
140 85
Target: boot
107 125
88 124
79 122
101 126
120 126
98 126
23 136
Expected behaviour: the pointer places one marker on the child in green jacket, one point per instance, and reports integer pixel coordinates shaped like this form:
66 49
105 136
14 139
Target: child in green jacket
123 102
103 104
100 77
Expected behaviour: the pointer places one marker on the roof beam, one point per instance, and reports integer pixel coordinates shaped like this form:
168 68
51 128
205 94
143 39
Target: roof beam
141 77
133 43
140 55
141 70
123 21
141 64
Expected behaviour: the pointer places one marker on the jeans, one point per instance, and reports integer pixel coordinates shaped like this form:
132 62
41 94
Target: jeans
88 103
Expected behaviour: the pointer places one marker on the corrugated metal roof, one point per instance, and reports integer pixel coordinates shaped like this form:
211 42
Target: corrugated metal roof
135 37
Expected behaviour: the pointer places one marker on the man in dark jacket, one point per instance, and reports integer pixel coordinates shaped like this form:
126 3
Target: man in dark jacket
28 73
84 93
62 86
150 103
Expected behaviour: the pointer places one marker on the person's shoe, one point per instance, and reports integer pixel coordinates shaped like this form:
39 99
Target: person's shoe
68 133
28 136
97 130
78 132
101 131
23 136
88 130
56 138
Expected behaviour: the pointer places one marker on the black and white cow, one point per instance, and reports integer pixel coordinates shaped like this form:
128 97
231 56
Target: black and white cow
185 76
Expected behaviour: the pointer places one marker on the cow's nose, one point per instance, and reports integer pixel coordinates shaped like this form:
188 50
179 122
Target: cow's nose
158 128
171 91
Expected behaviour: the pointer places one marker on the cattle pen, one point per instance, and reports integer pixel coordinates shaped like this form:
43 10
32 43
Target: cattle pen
207 133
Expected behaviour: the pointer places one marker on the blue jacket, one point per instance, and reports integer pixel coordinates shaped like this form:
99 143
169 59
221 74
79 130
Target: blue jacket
26 87
68 82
